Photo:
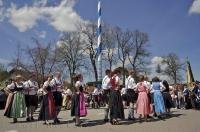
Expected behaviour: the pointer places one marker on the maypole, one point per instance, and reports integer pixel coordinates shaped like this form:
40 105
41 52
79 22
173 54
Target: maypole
99 43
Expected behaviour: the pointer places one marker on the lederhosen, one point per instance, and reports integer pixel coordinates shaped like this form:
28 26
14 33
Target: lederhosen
106 95
57 95
131 96
31 100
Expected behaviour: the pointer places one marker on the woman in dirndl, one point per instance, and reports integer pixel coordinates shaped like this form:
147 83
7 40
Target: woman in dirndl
116 105
78 108
167 97
143 103
157 87
15 105
47 110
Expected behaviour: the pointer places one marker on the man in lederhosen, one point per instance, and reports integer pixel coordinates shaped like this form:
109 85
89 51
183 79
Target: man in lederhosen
57 89
130 87
106 85
31 87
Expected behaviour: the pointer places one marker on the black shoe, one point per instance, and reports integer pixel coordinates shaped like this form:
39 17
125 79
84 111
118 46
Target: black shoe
28 119
155 115
131 119
148 116
106 120
32 119
14 120
56 121
159 117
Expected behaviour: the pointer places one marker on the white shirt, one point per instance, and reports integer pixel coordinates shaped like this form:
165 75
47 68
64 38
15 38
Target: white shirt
95 92
30 87
130 83
78 84
56 85
12 86
106 83
46 84
123 91
68 92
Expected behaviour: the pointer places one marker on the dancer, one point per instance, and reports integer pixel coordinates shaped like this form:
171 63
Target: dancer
142 104
16 107
78 108
31 87
167 98
157 87
47 110
106 85
116 105
130 86
57 89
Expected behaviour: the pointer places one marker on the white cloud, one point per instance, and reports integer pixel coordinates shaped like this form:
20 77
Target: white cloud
41 34
195 8
23 18
62 17
155 61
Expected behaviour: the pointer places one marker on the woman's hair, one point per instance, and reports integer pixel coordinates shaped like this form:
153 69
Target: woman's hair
141 78
108 71
77 77
165 83
155 79
49 75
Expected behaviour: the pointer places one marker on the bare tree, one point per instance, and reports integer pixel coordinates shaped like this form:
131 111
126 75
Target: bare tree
109 45
123 38
42 59
71 52
16 62
89 33
138 51
174 66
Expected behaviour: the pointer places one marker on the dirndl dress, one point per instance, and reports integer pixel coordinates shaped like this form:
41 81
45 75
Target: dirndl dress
48 109
15 105
116 105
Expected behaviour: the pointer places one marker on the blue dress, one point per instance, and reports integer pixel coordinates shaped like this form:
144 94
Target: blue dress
158 98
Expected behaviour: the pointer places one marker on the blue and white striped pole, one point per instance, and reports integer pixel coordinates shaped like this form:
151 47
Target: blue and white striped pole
99 61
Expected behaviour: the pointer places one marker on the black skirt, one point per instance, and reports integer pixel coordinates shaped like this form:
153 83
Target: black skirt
47 110
131 96
167 100
106 96
75 106
116 106
58 98
31 100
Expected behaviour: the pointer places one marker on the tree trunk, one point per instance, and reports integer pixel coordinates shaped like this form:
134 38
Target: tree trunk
123 66
95 70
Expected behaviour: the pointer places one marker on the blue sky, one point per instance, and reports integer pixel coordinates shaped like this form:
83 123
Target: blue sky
172 25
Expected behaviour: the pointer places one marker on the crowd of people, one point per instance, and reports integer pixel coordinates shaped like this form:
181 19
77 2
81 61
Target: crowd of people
145 97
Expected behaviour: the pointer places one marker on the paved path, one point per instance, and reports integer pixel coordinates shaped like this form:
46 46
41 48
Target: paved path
181 121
